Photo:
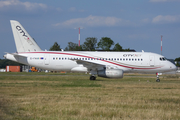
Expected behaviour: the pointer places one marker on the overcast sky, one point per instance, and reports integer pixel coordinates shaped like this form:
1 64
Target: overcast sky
134 24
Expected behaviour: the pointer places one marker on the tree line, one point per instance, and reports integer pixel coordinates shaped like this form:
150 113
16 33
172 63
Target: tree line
91 44
5 62
178 61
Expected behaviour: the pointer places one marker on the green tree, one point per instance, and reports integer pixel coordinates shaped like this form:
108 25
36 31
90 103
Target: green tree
90 44
177 60
73 47
127 50
5 62
55 47
117 47
105 43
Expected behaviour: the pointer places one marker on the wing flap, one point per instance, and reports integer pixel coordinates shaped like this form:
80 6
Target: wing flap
89 65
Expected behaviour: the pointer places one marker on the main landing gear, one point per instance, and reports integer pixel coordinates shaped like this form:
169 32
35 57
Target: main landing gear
157 80
92 77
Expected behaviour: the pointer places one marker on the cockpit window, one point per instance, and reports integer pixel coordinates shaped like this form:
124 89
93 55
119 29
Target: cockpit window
162 59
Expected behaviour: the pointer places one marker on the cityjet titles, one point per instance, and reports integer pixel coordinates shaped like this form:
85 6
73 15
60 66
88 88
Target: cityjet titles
132 55
22 32
24 35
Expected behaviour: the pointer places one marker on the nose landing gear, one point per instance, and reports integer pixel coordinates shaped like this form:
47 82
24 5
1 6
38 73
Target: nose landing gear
157 80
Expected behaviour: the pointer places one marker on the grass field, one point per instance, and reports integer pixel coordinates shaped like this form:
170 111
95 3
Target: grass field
39 96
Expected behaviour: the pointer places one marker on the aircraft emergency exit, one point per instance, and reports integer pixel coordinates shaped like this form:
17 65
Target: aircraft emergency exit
102 64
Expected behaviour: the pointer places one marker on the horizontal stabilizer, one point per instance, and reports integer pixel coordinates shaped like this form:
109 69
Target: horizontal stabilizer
16 54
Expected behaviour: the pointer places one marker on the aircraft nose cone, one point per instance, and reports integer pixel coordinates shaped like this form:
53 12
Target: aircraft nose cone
173 67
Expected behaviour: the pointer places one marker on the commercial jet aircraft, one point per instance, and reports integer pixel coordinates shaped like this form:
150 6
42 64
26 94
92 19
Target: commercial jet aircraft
102 64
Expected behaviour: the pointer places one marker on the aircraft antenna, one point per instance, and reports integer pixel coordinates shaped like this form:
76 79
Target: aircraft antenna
161 44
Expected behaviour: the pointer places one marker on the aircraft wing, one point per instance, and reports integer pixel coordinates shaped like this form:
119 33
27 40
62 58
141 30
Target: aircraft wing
89 65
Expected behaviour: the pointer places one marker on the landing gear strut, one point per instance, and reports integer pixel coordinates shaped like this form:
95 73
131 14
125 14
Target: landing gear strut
92 77
157 80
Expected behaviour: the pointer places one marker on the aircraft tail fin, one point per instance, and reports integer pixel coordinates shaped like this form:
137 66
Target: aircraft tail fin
24 42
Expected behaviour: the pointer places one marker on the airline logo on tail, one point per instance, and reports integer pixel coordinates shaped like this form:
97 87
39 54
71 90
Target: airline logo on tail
24 34
21 31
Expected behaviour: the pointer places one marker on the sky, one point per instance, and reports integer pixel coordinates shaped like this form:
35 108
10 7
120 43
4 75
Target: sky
135 24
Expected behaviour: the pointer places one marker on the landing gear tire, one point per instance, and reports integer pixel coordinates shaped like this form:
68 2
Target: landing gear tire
158 80
92 77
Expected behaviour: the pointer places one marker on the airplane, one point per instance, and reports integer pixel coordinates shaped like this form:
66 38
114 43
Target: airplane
102 64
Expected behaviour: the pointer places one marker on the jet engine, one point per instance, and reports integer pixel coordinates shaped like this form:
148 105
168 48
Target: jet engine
110 73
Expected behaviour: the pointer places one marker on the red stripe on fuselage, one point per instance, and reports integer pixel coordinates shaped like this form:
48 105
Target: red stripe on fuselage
89 57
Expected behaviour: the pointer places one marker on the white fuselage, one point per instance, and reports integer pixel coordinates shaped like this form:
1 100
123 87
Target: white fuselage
78 61
103 64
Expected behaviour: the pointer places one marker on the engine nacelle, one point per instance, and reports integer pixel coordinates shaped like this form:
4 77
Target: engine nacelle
110 73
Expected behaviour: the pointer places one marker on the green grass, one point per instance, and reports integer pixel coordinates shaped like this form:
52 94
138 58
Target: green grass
29 96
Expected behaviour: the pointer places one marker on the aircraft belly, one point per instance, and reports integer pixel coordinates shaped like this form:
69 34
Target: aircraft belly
64 65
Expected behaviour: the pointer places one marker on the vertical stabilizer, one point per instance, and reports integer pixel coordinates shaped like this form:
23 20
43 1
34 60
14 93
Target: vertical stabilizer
24 42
